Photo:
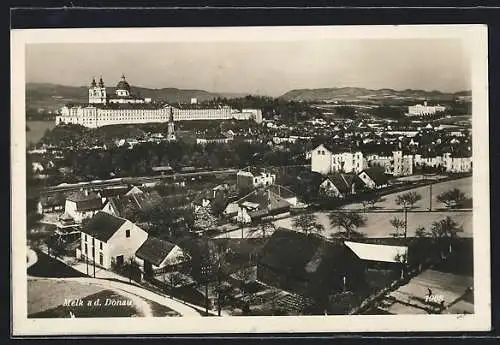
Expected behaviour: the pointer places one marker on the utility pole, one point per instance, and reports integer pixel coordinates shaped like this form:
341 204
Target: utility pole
406 220
430 197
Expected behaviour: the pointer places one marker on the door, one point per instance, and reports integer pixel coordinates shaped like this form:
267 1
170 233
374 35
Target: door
119 260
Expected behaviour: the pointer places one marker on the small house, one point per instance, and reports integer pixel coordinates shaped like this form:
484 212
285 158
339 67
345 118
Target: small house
374 178
82 205
157 256
107 240
307 264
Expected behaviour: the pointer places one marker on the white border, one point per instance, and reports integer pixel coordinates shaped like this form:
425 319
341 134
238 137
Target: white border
475 36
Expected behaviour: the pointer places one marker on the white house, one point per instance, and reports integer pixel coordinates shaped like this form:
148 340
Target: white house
253 178
156 256
324 161
338 185
106 239
81 205
457 164
373 178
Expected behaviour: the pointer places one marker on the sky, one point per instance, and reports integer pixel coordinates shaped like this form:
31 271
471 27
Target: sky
264 68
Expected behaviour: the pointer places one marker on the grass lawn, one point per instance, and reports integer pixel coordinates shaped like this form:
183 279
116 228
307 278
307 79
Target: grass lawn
94 310
49 294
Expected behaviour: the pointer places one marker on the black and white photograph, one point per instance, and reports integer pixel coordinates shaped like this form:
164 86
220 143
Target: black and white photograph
265 179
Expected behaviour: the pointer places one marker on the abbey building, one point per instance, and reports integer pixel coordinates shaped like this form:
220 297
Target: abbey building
123 107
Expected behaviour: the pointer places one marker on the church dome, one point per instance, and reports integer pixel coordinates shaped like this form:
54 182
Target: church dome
123 84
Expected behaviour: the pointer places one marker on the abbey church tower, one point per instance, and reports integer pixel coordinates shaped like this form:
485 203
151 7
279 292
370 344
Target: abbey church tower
97 92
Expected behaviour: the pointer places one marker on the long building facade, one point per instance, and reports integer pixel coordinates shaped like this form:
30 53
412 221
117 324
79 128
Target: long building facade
125 108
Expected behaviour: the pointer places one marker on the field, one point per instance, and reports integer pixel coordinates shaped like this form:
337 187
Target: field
46 298
378 222
389 201
37 130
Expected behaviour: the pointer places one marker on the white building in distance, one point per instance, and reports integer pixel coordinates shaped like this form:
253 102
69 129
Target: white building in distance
124 107
425 110
325 161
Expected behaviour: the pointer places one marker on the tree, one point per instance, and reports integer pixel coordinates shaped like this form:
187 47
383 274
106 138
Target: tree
308 223
398 224
452 198
407 200
264 229
446 230
373 199
402 258
348 223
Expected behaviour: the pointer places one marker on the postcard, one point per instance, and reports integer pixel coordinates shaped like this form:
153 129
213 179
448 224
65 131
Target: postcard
250 180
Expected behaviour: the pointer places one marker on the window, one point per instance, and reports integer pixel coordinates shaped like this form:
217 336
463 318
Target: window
127 233
93 241
86 249
85 237
100 246
101 259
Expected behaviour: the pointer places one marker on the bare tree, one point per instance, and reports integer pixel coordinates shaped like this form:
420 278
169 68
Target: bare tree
264 229
447 230
398 224
407 200
308 223
348 223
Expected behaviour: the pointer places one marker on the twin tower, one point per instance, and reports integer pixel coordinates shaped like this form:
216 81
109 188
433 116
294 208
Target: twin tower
98 95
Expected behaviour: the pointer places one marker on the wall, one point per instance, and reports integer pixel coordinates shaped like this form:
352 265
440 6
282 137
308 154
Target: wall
121 245
321 160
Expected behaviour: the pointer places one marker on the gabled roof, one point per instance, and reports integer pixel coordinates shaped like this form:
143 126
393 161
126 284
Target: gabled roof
376 252
154 250
299 255
110 192
343 182
57 199
135 201
377 174
103 226
85 202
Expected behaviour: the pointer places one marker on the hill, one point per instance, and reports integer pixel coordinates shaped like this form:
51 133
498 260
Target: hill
362 94
53 96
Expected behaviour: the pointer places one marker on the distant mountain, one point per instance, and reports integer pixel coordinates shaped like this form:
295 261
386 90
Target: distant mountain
53 96
358 94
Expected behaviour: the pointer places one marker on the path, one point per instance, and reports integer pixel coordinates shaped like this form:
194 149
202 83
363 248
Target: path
182 308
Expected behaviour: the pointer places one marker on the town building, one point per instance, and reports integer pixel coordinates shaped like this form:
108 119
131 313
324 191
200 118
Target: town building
425 110
457 164
325 160
156 256
82 205
339 185
308 265
261 203
124 107
107 240
395 163
51 203
374 178
123 205
251 178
